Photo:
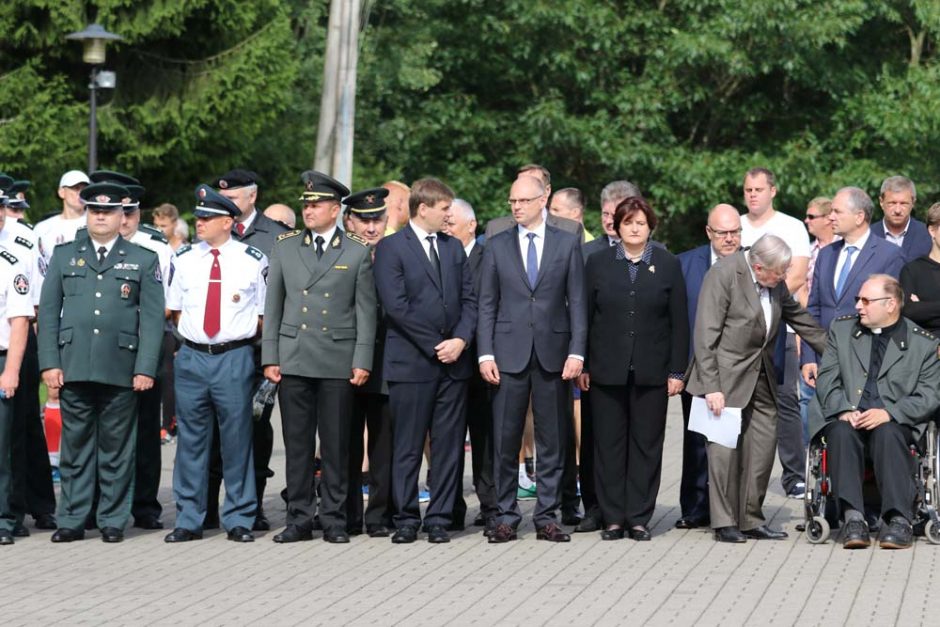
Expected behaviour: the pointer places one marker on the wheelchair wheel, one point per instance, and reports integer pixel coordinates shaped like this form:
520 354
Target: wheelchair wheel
817 530
932 531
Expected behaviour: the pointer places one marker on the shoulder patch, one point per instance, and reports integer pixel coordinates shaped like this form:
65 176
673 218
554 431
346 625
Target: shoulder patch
25 223
923 332
8 256
158 238
848 317
288 234
22 241
254 252
356 238
184 249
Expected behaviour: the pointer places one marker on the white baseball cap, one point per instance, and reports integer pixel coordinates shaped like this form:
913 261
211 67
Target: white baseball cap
73 177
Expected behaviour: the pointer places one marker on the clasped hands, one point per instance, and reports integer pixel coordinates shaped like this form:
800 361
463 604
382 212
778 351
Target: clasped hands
868 419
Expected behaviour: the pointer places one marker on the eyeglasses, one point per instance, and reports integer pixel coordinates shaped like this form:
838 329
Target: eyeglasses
868 301
814 216
521 201
724 234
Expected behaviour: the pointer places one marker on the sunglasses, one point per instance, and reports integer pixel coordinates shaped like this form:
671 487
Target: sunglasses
868 301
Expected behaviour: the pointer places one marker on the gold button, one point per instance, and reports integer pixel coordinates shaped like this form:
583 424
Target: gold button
97 294
100 277
303 309
303 326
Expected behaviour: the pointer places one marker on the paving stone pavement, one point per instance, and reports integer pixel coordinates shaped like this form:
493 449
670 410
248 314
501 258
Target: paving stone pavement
680 578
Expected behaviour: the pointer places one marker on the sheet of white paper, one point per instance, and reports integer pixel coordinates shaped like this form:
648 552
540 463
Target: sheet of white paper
723 429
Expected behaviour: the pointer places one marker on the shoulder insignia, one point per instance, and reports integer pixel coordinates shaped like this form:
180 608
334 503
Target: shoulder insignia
288 234
848 317
158 238
184 249
60 244
22 241
254 252
25 223
923 332
9 257
356 238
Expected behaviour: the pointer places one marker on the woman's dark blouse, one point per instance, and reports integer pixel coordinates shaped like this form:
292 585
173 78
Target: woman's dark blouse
921 276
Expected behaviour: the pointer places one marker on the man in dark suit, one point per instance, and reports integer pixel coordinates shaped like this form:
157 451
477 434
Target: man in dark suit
531 339
843 266
504 223
724 235
431 313
741 305
898 197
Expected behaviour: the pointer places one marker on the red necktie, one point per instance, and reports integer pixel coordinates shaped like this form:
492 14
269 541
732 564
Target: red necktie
212 322
240 228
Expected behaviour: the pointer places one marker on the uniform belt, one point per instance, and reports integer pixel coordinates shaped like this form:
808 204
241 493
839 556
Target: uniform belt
218 349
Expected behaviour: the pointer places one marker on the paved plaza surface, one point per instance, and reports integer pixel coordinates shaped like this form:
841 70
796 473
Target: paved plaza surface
679 578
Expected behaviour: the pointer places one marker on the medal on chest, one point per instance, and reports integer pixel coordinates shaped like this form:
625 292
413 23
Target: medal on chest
125 291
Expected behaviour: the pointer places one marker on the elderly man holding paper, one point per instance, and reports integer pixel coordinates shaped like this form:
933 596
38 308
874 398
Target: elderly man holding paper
742 302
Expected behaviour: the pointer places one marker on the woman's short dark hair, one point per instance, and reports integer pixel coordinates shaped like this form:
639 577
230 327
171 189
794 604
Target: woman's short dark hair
630 206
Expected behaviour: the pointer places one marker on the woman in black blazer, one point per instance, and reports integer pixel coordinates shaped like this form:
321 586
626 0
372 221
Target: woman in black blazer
638 350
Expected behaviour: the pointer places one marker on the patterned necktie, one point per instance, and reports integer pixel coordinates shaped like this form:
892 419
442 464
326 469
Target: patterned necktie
102 253
240 228
213 320
318 240
846 269
432 254
532 261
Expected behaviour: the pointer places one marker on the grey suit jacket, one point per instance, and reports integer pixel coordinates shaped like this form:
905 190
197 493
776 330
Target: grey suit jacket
319 314
731 341
908 383
498 225
262 233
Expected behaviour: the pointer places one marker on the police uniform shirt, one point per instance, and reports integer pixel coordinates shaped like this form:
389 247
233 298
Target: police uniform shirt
25 252
15 300
163 250
244 272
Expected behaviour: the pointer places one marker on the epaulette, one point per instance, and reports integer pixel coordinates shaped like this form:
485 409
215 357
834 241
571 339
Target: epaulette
356 238
927 334
184 249
25 223
288 234
22 241
254 252
64 244
848 317
9 257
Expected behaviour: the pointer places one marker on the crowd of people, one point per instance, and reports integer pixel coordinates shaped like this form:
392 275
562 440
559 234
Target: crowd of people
392 332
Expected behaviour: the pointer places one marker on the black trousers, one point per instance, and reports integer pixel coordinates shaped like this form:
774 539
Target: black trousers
570 501
310 407
147 483
171 344
370 409
480 426
629 427
888 448
33 492
550 406
693 489
592 508
437 408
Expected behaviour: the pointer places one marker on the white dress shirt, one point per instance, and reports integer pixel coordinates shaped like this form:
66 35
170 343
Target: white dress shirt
896 239
523 234
859 244
423 240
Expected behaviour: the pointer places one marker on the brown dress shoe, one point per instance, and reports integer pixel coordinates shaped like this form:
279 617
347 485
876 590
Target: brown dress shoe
552 533
502 533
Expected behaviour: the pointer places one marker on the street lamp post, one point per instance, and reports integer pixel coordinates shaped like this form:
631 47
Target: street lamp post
94 40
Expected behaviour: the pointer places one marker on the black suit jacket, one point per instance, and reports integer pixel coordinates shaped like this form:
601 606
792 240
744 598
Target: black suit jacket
917 241
642 325
262 233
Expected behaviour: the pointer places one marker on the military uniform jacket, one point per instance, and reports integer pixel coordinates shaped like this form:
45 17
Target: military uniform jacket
320 314
101 323
909 381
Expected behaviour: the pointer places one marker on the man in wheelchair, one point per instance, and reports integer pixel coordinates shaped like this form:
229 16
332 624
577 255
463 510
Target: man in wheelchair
876 390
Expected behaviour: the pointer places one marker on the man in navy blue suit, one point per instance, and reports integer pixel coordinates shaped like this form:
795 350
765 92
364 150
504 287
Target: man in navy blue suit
898 197
531 339
724 235
843 266
431 312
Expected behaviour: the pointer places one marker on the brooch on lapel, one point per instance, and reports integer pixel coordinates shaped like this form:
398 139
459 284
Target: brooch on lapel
652 269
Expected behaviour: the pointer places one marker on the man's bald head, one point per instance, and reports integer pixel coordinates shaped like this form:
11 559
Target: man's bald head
526 199
281 213
724 229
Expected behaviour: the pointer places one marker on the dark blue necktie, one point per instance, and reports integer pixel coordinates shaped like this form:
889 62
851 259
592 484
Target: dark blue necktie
532 262
844 272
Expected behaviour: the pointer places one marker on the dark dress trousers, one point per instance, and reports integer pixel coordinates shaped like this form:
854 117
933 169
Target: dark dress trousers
531 332
422 309
917 241
639 334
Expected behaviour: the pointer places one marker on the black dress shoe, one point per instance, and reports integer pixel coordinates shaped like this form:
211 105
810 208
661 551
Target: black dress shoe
378 531
261 522
480 520
336 536
20 531
587 525
293 533
640 535
502 533
182 535
111 535
729 534
6 537
148 522
898 535
68 535
855 535
437 534
405 535
240 534
552 533
615 533
45 521
765 533
570 518
690 523
489 527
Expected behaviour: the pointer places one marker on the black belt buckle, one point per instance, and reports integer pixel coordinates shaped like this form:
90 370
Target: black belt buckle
212 349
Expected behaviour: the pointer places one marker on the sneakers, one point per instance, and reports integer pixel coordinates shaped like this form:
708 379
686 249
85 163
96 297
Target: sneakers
365 491
424 496
797 491
526 494
165 437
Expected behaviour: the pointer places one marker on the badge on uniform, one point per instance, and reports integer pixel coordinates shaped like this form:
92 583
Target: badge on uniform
72 261
125 291
21 284
236 298
81 262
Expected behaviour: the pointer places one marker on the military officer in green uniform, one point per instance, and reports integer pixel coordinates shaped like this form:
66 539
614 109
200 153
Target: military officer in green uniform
876 390
317 343
100 330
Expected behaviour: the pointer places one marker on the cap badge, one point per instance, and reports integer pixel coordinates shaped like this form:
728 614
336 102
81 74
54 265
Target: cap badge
309 186
223 184
102 198
370 198
81 262
202 192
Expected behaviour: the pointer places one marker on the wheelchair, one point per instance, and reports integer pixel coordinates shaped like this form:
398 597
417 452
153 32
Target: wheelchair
819 503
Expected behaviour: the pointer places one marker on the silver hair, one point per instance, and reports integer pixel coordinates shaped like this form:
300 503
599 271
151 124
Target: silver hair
464 207
859 200
895 184
771 252
617 191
